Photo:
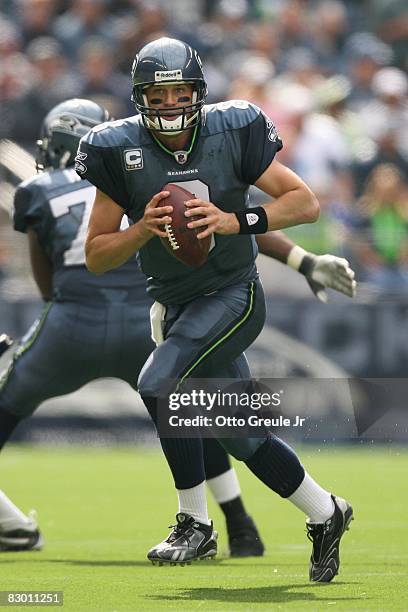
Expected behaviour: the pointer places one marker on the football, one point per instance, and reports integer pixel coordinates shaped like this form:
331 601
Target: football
181 241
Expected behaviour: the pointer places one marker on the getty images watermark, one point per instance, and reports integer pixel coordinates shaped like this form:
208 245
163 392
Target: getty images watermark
225 408
227 400
309 408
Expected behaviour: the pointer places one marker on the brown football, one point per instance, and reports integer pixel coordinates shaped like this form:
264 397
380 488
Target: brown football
181 241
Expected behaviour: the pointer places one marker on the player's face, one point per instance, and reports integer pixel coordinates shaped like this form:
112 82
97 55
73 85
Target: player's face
170 96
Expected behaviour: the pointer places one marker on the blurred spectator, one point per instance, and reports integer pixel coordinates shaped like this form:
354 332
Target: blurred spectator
365 55
100 82
300 67
391 23
35 18
385 120
264 41
330 28
388 111
231 21
15 77
316 147
380 241
253 83
331 97
53 82
319 152
85 18
293 23
145 23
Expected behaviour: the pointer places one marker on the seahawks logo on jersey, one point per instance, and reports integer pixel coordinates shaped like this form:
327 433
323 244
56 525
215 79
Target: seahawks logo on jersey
273 135
79 165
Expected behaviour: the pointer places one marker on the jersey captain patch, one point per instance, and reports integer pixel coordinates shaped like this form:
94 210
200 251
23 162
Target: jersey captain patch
133 159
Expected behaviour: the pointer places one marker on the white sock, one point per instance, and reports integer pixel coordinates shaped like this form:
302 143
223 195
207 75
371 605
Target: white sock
11 517
314 501
225 487
194 502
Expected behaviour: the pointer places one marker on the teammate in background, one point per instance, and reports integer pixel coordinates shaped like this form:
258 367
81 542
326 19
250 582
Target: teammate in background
65 348
210 315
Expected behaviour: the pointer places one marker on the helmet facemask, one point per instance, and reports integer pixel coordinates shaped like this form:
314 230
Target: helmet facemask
186 117
57 148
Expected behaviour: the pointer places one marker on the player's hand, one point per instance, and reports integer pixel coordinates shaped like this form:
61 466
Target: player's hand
329 271
214 221
156 215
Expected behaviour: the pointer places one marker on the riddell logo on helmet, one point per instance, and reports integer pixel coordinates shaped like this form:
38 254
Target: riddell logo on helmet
168 75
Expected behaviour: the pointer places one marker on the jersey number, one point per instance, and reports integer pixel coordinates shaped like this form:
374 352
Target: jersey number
82 201
64 205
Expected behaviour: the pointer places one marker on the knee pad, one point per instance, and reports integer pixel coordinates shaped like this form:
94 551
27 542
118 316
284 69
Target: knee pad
241 448
150 383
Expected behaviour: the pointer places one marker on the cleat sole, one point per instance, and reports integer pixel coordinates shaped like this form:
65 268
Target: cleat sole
161 563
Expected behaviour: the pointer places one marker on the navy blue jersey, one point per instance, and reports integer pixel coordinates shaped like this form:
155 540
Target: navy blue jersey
235 145
57 205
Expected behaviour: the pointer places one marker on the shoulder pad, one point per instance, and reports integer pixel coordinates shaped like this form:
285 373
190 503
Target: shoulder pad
230 115
39 180
121 132
51 180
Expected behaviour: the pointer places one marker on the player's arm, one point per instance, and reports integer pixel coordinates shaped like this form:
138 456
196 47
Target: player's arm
106 246
320 271
40 266
294 203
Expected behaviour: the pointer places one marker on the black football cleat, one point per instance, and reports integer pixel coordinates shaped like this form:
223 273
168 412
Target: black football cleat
243 538
189 541
21 538
325 559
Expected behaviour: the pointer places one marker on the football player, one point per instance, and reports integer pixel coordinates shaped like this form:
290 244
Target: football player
208 316
90 326
95 326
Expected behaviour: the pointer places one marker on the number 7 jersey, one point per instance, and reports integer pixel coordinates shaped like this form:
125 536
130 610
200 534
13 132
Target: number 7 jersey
56 205
229 152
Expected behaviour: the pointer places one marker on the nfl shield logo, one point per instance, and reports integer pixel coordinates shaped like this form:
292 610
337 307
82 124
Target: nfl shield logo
181 156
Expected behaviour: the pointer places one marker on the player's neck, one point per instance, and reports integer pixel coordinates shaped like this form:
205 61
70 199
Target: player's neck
176 143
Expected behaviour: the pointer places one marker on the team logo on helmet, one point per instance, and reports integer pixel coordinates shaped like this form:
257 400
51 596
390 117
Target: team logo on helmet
64 123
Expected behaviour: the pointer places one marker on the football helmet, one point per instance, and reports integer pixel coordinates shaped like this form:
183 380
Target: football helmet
62 129
168 61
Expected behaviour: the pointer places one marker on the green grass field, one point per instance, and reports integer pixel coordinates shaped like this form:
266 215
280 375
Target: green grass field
101 509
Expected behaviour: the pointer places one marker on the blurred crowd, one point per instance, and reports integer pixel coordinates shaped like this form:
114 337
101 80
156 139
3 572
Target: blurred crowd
331 74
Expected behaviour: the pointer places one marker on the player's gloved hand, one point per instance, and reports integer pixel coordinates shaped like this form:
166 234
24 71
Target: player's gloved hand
323 271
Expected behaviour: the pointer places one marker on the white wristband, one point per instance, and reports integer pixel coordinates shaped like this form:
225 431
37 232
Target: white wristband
295 257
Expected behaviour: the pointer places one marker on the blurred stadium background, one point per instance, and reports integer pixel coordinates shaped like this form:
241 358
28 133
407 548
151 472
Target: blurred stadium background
332 76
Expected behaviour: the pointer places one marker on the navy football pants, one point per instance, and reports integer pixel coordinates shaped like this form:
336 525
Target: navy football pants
201 337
